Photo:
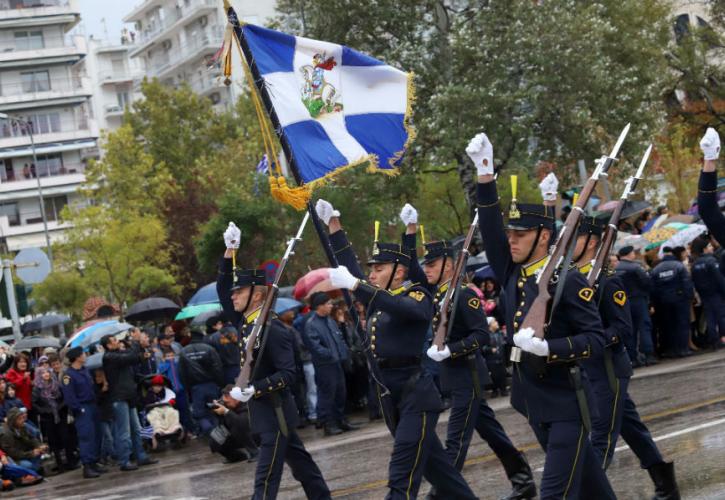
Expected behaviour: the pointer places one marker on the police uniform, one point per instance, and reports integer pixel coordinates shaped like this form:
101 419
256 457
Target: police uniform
637 285
708 208
672 293
550 392
397 324
710 285
610 376
79 394
465 374
272 411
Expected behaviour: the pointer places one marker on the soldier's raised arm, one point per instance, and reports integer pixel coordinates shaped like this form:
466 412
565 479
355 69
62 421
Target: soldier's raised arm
341 246
409 217
232 238
707 191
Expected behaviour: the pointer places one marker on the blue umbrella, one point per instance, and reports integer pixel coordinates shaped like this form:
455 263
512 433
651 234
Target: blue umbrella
484 272
205 295
284 304
76 339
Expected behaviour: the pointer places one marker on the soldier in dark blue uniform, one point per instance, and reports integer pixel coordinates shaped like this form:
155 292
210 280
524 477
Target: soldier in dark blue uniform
399 315
672 294
710 285
80 396
707 192
463 371
272 411
547 385
611 373
637 284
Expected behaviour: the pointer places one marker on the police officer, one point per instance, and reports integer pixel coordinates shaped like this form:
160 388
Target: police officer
637 285
463 371
79 394
399 315
710 285
272 411
707 192
547 385
611 373
672 294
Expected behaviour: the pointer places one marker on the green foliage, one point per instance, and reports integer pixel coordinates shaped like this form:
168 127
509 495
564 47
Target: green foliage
63 292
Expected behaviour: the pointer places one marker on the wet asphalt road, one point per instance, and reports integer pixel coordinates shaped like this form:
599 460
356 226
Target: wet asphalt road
682 402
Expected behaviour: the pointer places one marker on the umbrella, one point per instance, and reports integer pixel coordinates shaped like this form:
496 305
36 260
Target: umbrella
637 241
205 295
283 304
660 234
42 322
80 333
94 361
485 272
95 335
151 309
194 311
633 208
684 236
200 319
317 280
655 222
28 343
684 218
608 206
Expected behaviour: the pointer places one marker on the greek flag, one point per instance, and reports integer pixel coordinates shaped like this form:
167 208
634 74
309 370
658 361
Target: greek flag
337 107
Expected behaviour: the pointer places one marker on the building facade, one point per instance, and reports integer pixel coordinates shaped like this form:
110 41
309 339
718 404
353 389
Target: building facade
177 39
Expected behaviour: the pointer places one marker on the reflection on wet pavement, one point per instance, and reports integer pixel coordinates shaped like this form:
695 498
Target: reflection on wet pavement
682 402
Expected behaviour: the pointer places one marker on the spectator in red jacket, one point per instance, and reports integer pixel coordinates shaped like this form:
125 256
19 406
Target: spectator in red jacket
19 376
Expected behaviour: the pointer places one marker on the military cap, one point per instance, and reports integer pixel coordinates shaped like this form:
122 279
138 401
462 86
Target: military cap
530 216
389 253
437 249
74 353
625 250
594 226
248 277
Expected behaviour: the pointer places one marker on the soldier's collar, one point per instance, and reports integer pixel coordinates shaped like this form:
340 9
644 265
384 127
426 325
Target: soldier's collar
249 319
586 268
444 287
531 269
401 288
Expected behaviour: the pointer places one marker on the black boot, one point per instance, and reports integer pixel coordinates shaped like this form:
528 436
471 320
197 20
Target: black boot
89 472
521 477
663 475
347 426
332 430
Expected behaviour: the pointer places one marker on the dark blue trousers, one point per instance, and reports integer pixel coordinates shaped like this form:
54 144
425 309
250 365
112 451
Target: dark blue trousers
674 324
640 340
467 414
87 423
570 459
607 423
274 451
201 394
714 308
418 452
638 437
331 392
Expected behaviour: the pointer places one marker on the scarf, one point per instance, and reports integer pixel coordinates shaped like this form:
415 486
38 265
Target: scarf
49 390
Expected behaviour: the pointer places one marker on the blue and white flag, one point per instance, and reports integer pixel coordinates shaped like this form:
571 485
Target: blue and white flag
337 107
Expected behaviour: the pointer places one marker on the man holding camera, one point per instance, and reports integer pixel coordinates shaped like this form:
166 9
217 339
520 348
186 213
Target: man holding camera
232 438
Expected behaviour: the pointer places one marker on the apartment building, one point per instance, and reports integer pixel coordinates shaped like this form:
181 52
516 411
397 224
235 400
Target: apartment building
176 40
43 82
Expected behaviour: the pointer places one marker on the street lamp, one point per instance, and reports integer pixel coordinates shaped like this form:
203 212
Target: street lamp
28 126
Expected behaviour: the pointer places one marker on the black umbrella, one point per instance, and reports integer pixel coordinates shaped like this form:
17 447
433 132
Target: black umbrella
28 343
151 309
633 208
42 322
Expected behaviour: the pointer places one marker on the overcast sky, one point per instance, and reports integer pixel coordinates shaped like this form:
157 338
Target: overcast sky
102 18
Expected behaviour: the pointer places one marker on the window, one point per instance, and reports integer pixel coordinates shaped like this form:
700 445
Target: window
54 205
122 99
48 165
45 123
682 27
29 40
10 210
118 67
35 81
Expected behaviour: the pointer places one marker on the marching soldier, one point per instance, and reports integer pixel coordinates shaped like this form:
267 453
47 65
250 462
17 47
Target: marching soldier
463 370
547 385
272 412
707 192
611 373
399 315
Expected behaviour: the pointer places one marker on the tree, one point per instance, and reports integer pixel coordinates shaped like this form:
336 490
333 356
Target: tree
680 160
62 291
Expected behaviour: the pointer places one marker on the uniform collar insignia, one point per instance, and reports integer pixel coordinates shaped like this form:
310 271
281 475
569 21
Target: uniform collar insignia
586 268
444 287
534 267
401 288
249 319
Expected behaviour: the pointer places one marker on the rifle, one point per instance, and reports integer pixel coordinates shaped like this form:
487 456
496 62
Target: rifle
610 234
264 318
446 322
538 315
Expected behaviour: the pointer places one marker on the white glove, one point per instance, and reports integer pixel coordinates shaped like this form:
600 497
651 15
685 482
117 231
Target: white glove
232 236
325 211
549 187
409 215
710 144
525 339
242 395
436 355
340 277
480 151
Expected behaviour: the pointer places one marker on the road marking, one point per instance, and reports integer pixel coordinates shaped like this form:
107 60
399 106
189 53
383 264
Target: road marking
686 430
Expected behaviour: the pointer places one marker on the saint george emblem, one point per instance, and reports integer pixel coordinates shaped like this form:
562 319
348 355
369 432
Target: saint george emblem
620 298
586 294
319 96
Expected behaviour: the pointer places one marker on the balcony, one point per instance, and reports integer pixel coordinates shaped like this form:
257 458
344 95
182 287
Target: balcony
22 236
21 95
23 178
161 27
207 43
52 129
14 13
113 110
112 78
48 50
206 83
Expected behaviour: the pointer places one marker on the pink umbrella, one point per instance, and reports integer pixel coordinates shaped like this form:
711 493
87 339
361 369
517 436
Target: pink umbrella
606 207
317 280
